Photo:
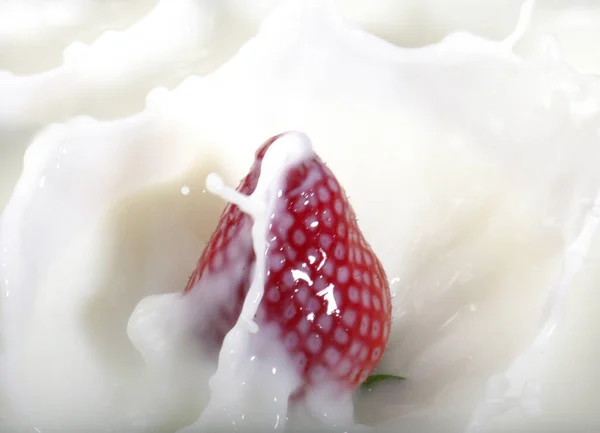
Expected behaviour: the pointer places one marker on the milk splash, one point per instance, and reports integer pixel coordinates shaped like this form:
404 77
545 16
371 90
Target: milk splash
488 175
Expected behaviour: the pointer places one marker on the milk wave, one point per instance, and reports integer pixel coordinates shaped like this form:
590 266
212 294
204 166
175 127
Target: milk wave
172 117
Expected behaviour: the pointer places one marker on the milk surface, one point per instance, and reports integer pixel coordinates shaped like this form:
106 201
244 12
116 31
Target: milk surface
470 163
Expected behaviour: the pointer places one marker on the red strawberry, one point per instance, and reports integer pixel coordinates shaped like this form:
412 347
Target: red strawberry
325 288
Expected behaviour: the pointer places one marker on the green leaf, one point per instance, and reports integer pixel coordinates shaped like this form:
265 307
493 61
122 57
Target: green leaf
376 378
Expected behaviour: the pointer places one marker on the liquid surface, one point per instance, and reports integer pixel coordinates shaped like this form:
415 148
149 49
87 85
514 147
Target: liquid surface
470 164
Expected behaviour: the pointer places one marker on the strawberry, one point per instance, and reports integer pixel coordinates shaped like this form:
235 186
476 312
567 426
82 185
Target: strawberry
326 291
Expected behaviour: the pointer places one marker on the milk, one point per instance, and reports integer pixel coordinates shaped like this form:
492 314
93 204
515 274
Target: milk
471 171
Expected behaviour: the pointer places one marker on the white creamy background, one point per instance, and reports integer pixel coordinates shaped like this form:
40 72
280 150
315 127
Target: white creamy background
460 172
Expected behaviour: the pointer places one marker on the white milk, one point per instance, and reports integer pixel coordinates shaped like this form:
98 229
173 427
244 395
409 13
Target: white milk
472 171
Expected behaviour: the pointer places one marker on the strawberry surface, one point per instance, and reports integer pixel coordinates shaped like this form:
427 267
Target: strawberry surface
325 293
